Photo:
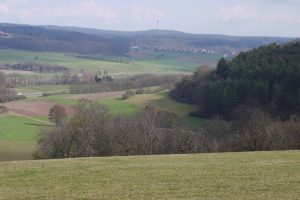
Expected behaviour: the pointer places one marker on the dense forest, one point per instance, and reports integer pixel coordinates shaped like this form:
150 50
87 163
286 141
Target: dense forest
267 78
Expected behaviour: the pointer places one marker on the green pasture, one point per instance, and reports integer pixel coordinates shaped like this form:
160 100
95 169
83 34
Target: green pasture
161 100
117 106
169 63
135 103
18 135
181 61
251 175
44 88
67 60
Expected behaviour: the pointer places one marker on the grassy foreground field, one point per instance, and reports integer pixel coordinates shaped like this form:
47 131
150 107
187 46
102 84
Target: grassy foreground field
254 175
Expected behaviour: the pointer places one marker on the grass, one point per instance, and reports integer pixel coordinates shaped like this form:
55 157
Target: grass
67 60
135 103
169 63
181 109
44 88
16 150
117 106
181 61
58 99
18 137
16 128
253 175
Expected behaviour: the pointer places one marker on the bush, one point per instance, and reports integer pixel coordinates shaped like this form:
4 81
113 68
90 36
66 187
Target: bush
140 91
127 94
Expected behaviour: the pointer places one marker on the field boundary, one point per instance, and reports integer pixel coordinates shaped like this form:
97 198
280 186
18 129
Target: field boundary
25 116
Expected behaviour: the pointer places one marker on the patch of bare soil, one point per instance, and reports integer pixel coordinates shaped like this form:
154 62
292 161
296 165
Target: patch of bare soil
34 108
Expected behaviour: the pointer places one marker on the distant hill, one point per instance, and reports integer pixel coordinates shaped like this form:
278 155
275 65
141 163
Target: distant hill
95 41
37 38
152 39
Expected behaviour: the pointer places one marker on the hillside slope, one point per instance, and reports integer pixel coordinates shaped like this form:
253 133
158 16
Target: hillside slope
254 175
95 41
177 39
266 77
35 38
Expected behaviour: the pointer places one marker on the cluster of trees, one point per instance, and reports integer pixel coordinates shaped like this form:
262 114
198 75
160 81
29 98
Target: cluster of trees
267 77
5 93
92 131
66 78
138 81
36 67
22 80
92 82
122 59
103 77
130 93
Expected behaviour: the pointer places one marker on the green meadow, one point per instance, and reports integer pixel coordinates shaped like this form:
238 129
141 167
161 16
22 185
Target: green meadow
133 104
161 100
169 63
44 88
250 175
18 135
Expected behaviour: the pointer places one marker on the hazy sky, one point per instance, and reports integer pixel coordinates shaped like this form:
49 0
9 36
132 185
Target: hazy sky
233 17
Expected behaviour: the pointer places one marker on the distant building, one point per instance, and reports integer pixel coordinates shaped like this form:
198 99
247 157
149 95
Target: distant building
135 48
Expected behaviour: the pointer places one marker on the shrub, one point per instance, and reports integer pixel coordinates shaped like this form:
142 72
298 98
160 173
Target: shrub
140 91
127 94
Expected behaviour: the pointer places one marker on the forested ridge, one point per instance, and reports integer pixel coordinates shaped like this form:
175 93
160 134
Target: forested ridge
36 38
94 41
267 78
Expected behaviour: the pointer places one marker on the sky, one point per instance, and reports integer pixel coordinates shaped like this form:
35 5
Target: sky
229 17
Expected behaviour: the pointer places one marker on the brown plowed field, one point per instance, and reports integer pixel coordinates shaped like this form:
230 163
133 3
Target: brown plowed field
34 108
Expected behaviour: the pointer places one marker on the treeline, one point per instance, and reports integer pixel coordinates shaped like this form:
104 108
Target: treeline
92 131
6 94
123 59
137 81
267 78
35 38
35 67
66 78
92 82
15 80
